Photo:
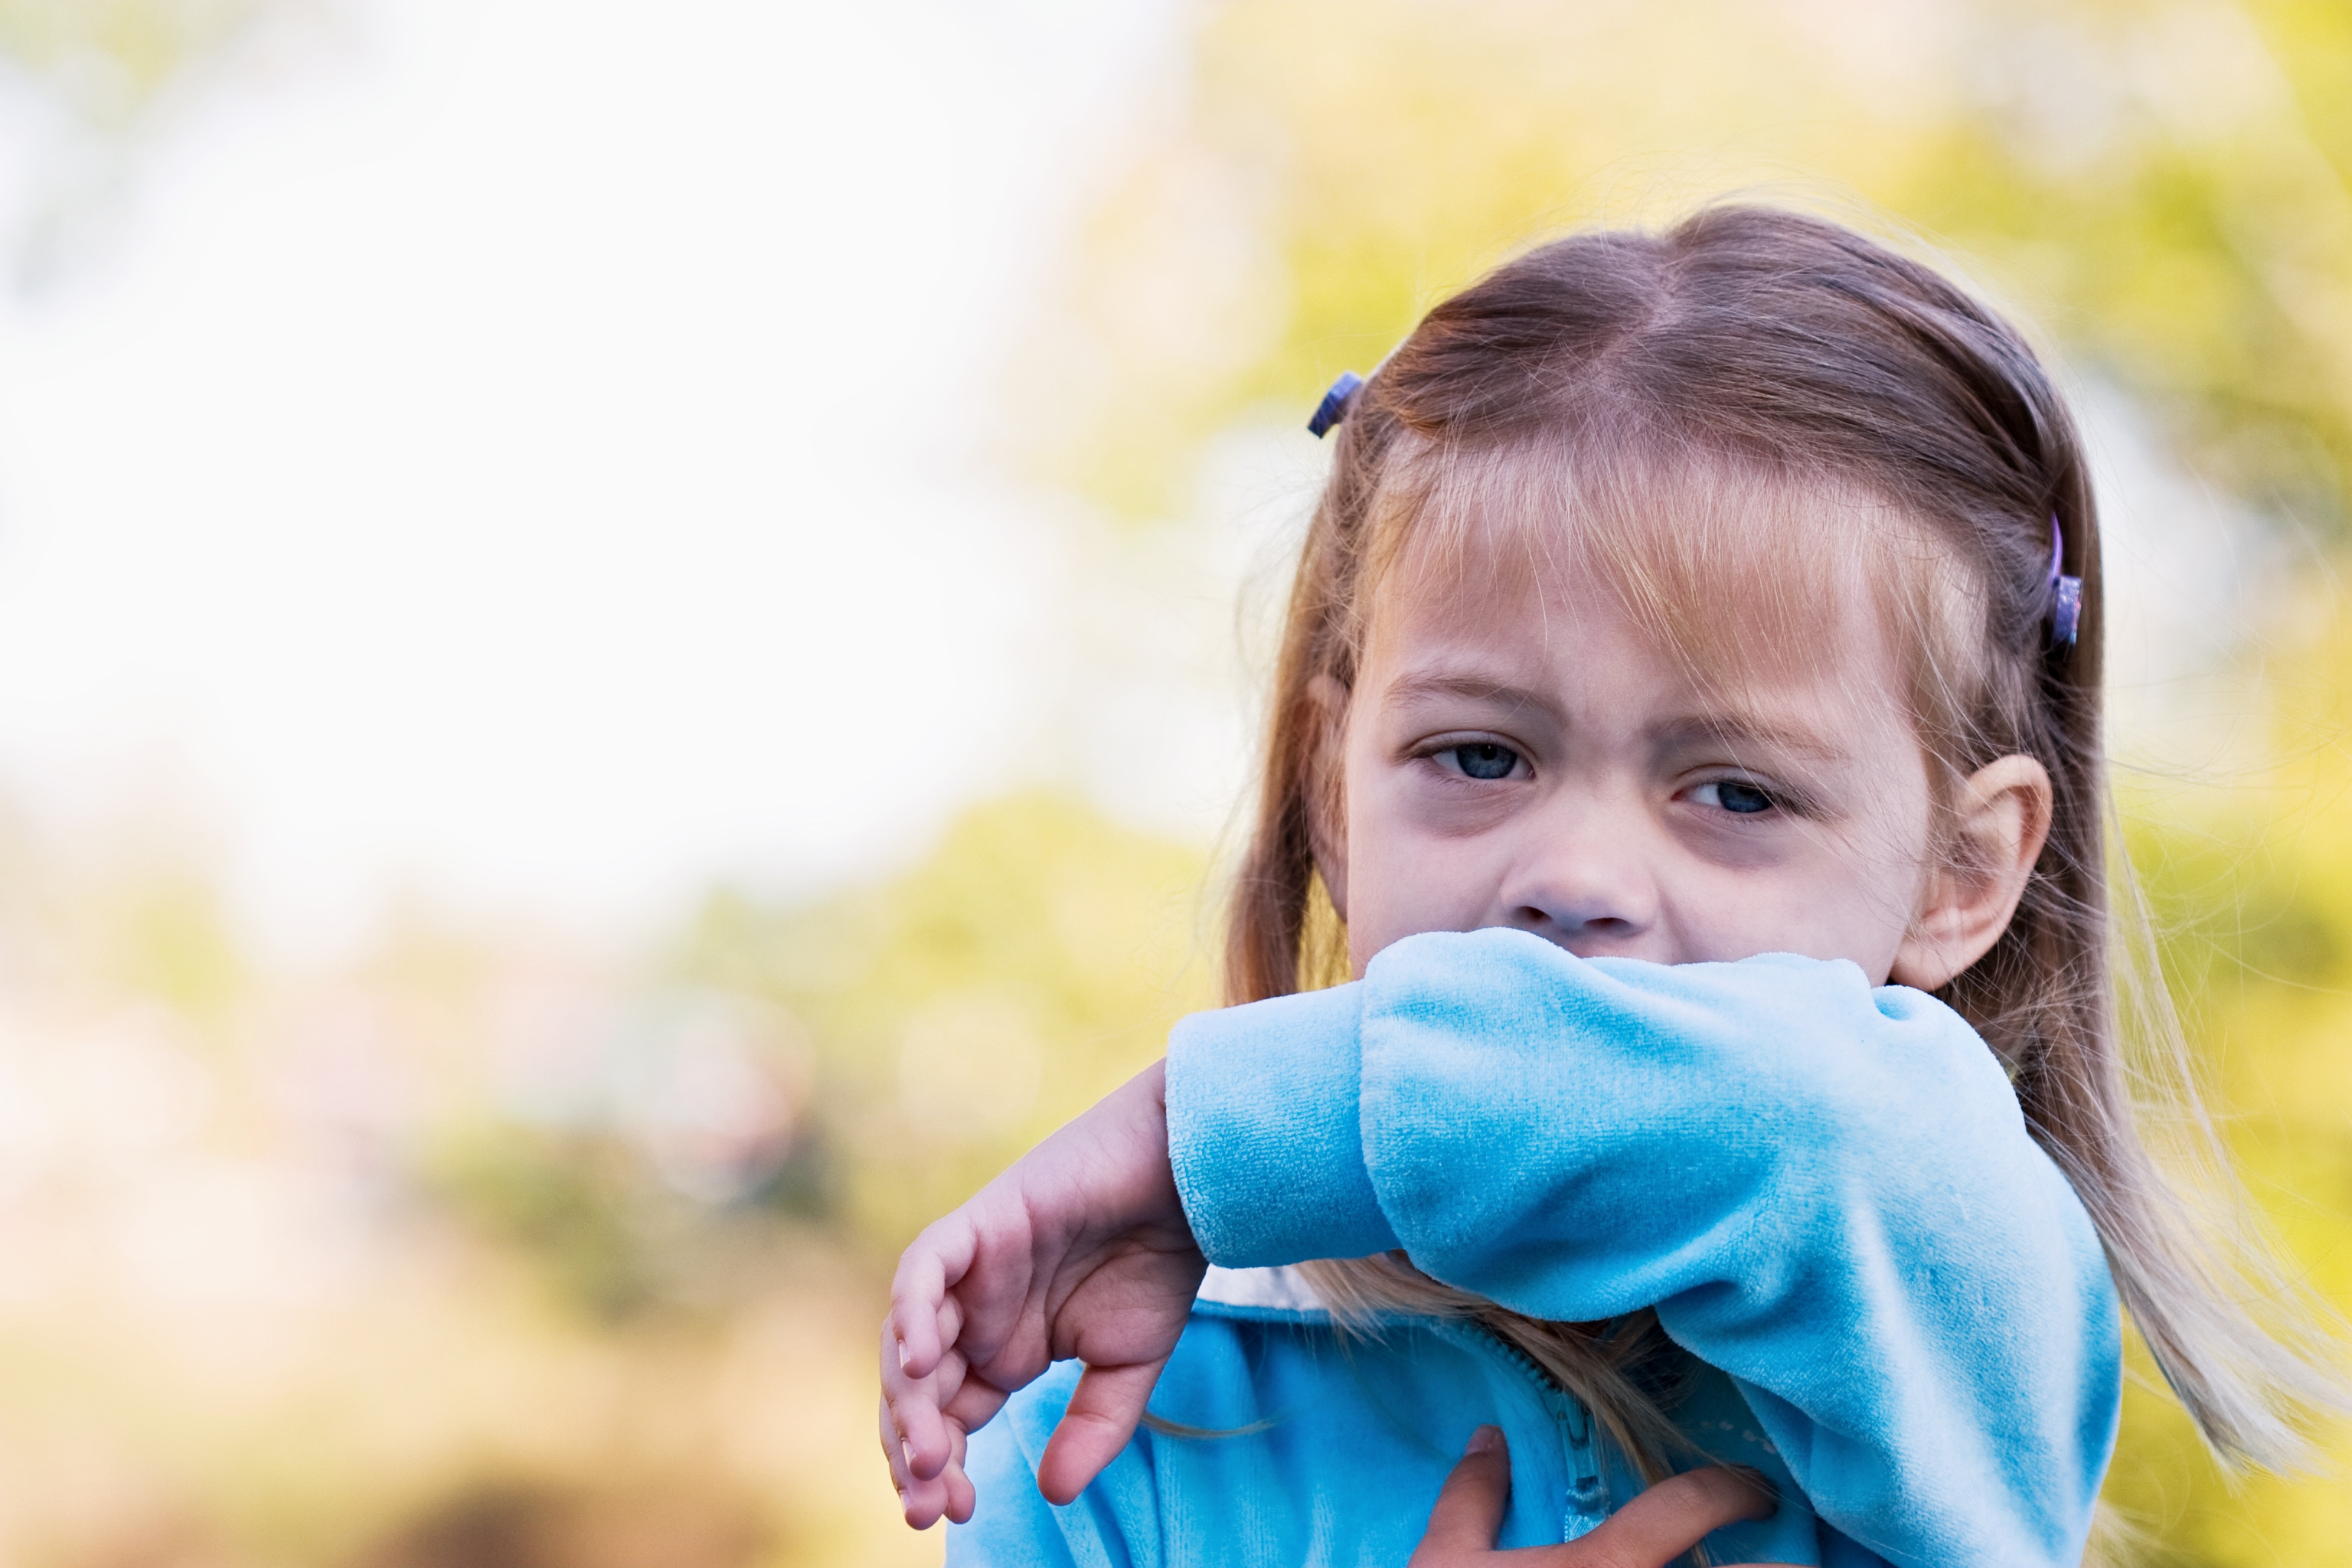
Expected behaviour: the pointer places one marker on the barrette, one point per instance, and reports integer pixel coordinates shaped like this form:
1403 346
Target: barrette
1334 407
2065 593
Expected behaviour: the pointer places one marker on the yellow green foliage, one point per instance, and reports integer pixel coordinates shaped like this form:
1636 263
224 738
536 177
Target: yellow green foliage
963 1009
2251 890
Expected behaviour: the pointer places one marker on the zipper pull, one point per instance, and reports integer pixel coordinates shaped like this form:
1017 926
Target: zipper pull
1588 1495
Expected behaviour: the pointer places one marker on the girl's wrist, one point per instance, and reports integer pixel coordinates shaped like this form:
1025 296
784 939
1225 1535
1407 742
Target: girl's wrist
1265 1131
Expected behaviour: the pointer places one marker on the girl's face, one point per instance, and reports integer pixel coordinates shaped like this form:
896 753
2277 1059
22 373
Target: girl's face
1522 755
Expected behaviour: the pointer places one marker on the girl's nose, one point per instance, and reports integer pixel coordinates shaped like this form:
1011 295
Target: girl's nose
1583 878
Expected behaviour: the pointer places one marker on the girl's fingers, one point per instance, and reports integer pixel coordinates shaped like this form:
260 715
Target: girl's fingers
891 1453
947 1323
918 1501
1470 1506
948 1495
1663 1522
999 1298
937 1259
975 1401
918 1437
961 1498
1102 1416
924 1502
938 1386
1651 1532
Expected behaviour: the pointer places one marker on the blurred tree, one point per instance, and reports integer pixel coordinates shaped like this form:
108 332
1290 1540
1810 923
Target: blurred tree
168 935
964 1009
2250 896
575 1204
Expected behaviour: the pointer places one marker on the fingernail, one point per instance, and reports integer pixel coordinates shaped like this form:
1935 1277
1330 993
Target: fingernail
907 1450
1484 1440
904 1356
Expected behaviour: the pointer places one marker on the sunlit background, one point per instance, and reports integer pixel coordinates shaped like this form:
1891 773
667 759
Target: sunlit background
628 631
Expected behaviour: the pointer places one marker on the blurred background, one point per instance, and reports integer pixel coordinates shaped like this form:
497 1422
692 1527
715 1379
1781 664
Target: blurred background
628 636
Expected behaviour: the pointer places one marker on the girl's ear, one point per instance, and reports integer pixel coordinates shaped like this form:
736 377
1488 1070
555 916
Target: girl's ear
1327 825
2001 817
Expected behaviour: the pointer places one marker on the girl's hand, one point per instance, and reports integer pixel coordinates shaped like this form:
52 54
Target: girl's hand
1651 1532
1080 1249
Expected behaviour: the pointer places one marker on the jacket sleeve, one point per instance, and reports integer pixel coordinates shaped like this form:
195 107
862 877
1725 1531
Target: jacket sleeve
1826 1191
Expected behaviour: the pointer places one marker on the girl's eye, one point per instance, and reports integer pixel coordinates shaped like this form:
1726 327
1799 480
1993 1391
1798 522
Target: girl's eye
1734 796
1482 760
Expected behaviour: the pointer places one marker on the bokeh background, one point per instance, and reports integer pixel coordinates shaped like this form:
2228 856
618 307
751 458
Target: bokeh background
628 635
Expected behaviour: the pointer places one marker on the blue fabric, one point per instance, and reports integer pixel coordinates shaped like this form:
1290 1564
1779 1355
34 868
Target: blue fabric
1827 1192
1357 1438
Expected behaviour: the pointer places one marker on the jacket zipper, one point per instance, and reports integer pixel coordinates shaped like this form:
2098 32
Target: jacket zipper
1587 1492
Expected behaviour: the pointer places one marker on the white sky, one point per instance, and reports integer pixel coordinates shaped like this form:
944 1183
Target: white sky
518 455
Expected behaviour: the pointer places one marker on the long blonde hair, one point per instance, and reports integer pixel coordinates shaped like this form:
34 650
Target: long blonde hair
1748 350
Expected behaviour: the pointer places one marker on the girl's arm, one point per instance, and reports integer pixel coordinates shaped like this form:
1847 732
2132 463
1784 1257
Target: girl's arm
1826 1190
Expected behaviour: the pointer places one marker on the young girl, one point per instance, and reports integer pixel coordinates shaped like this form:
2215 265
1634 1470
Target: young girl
1687 730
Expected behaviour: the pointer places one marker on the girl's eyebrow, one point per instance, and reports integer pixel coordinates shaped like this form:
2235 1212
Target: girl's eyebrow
1735 730
1411 688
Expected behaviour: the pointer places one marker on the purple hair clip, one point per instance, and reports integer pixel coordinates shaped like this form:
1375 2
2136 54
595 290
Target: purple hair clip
1334 407
2065 593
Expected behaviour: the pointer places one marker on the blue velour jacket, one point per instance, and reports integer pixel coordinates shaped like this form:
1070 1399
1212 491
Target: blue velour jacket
1827 1192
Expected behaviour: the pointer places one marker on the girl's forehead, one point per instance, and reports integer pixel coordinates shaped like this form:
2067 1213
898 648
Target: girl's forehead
1741 577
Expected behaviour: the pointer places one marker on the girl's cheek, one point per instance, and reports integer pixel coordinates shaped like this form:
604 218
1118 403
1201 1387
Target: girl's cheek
1408 880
